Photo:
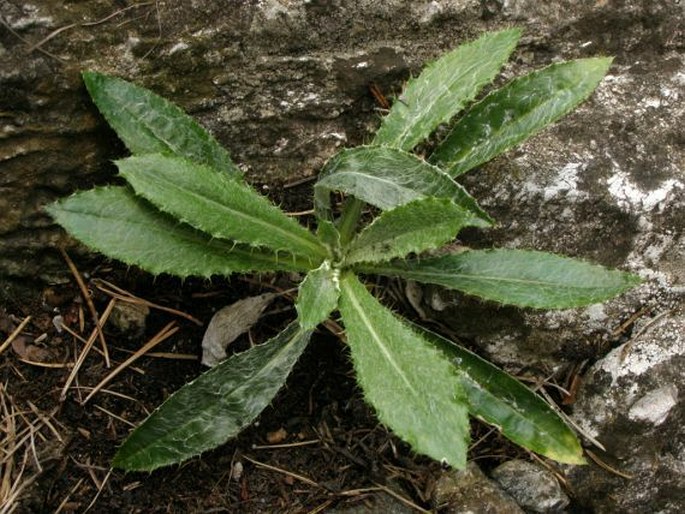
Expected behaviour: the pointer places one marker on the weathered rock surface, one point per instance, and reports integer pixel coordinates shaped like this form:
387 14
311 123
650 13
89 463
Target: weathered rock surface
284 84
533 487
632 403
469 491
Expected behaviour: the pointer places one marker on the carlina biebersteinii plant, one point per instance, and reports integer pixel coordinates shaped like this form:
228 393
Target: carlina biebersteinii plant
187 211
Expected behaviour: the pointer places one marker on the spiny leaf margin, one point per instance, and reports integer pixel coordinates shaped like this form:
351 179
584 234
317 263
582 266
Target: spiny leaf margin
413 387
500 400
117 223
211 202
148 123
443 88
318 295
214 407
516 112
387 178
524 278
418 226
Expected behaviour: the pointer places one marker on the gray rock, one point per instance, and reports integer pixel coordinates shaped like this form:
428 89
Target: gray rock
632 403
129 318
469 491
533 487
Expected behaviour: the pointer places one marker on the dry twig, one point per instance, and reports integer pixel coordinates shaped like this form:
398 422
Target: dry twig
86 349
169 330
89 301
123 295
14 334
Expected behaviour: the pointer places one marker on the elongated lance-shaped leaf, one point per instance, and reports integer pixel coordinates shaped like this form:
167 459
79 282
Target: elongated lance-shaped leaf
318 295
214 407
418 226
413 386
386 178
517 277
443 88
148 123
519 110
499 399
210 201
112 220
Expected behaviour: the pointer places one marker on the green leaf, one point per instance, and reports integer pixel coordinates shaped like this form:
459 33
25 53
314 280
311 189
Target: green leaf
148 123
514 113
499 399
328 234
210 201
518 277
443 88
318 295
386 178
420 225
112 220
216 406
412 385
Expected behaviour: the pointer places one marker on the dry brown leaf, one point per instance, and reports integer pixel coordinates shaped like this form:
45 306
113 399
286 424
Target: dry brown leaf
229 323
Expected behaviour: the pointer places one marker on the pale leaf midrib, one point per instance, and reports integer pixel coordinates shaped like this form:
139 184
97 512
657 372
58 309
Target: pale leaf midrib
169 435
225 244
360 311
436 98
377 178
361 246
295 238
445 278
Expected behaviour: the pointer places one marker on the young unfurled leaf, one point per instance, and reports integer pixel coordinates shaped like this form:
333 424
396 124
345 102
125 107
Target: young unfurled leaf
387 178
418 226
443 88
412 385
214 407
148 123
519 110
318 295
329 235
217 205
115 222
229 323
499 399
517 277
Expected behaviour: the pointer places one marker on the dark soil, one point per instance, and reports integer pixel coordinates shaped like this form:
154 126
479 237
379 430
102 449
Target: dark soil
318 427
318 446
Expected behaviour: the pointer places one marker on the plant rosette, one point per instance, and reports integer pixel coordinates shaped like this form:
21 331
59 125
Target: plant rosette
186 210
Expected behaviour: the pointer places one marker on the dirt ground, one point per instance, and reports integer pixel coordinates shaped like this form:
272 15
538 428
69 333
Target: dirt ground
317 447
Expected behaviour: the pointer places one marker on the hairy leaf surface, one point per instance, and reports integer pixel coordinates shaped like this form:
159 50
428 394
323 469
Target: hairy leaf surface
418 226
112 220
214 407
443 88
387 178
329 235
148 123
499 399
215 204
517 277
519 110
412 385
318 295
